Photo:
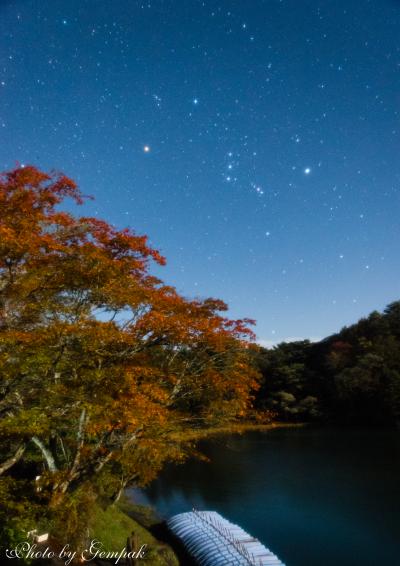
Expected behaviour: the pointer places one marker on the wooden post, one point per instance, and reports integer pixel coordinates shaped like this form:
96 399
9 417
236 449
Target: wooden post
129 561
132 545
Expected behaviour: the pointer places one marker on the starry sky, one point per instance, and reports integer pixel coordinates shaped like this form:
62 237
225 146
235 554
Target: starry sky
255 141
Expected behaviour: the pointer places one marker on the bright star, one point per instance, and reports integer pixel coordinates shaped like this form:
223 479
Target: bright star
195 101
146 148
307 170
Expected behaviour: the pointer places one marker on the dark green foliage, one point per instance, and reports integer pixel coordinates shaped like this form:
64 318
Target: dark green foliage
352 376
18 511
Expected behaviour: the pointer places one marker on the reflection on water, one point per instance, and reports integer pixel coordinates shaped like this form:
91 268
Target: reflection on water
315 497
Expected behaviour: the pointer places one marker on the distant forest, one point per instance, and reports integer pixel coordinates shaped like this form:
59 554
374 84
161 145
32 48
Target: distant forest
350 377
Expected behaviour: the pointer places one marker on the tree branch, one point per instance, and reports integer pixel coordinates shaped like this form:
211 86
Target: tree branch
80 437
48 456
7 464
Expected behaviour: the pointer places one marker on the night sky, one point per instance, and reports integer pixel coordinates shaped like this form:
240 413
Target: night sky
255 142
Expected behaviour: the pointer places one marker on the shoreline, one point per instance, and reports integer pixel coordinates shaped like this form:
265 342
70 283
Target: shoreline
150 519
234 428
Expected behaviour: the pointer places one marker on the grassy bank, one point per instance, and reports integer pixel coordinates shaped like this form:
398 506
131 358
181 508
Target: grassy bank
113 525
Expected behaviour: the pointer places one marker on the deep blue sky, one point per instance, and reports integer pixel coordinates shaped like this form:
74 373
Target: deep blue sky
273 170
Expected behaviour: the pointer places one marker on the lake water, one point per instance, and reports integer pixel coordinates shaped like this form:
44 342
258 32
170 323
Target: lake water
315 497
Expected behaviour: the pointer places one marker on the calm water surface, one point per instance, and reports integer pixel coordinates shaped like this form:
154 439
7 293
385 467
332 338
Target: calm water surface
314 497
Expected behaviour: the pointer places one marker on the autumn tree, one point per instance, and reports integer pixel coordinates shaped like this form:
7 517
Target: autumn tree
101 363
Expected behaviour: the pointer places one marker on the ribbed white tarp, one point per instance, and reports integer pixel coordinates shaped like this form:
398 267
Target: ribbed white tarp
214 541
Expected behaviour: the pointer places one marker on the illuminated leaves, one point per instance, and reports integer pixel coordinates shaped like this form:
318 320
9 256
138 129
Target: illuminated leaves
100 360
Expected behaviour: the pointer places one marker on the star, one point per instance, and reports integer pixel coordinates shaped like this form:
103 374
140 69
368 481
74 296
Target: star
252 155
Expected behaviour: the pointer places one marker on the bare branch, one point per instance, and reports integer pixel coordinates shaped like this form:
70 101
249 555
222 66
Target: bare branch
7 464
48 456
